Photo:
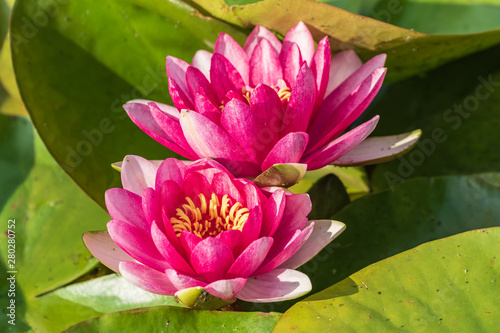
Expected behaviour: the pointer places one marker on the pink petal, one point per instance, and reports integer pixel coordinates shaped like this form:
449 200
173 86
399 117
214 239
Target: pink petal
323 233
222 184
251 258
336 97
225 289
176 71
137 174
211 259
320 68
233 52
207 167
205 107
343 65
268 109
170 169
224 77
301 104
196 184
127 207
265 66
273 213
289 149
100 244
231 238
379 149
147 278
209 140
340 146
245 126
277 285
181 281
151 205
137 244
168 251
170 125
300 35
251 229
346 113
291 65
259 33
181 99
139 112
171 197
202 60
297 207
166 229
284 248
189 241
198 83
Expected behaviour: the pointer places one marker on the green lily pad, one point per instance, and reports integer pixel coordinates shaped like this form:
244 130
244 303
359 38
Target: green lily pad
447 285
47 213
68 306
77 68
408 52
175 319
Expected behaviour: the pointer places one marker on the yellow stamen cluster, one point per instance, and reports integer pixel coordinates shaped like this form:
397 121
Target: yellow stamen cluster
209 219
284 93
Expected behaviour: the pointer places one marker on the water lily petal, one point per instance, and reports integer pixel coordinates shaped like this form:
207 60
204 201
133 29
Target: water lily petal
224 76
182 281
300 35
208 139
225 289
289 149
251 229
320 68
204 106
323 233
137 174
291 65
272 211
259 33
222 185
168 251
147 278
233 52
137 244
343 64
198 83
265 66
347 112
297 207
211 259
202 60
189 241
379 149
244 126
170 169
100 244
151 205
126 206
277 285
251 258
181 99
231 238
176 71
300 107
284 248
268 109
139 112
340 146
170 197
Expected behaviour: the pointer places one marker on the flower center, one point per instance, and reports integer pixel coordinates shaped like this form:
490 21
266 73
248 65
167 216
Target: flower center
284 94
209 219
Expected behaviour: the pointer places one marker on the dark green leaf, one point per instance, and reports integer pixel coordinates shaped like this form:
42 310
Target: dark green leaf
77 68
164 318
328 196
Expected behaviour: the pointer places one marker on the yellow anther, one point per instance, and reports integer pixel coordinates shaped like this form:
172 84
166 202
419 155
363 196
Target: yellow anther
284 94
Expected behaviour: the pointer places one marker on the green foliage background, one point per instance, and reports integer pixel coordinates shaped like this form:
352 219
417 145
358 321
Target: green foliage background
420 251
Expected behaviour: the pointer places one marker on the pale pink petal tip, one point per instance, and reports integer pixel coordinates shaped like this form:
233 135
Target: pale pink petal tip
137 174
100 244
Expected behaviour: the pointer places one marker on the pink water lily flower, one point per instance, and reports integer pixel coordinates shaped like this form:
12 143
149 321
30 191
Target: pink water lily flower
266 103
184 225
